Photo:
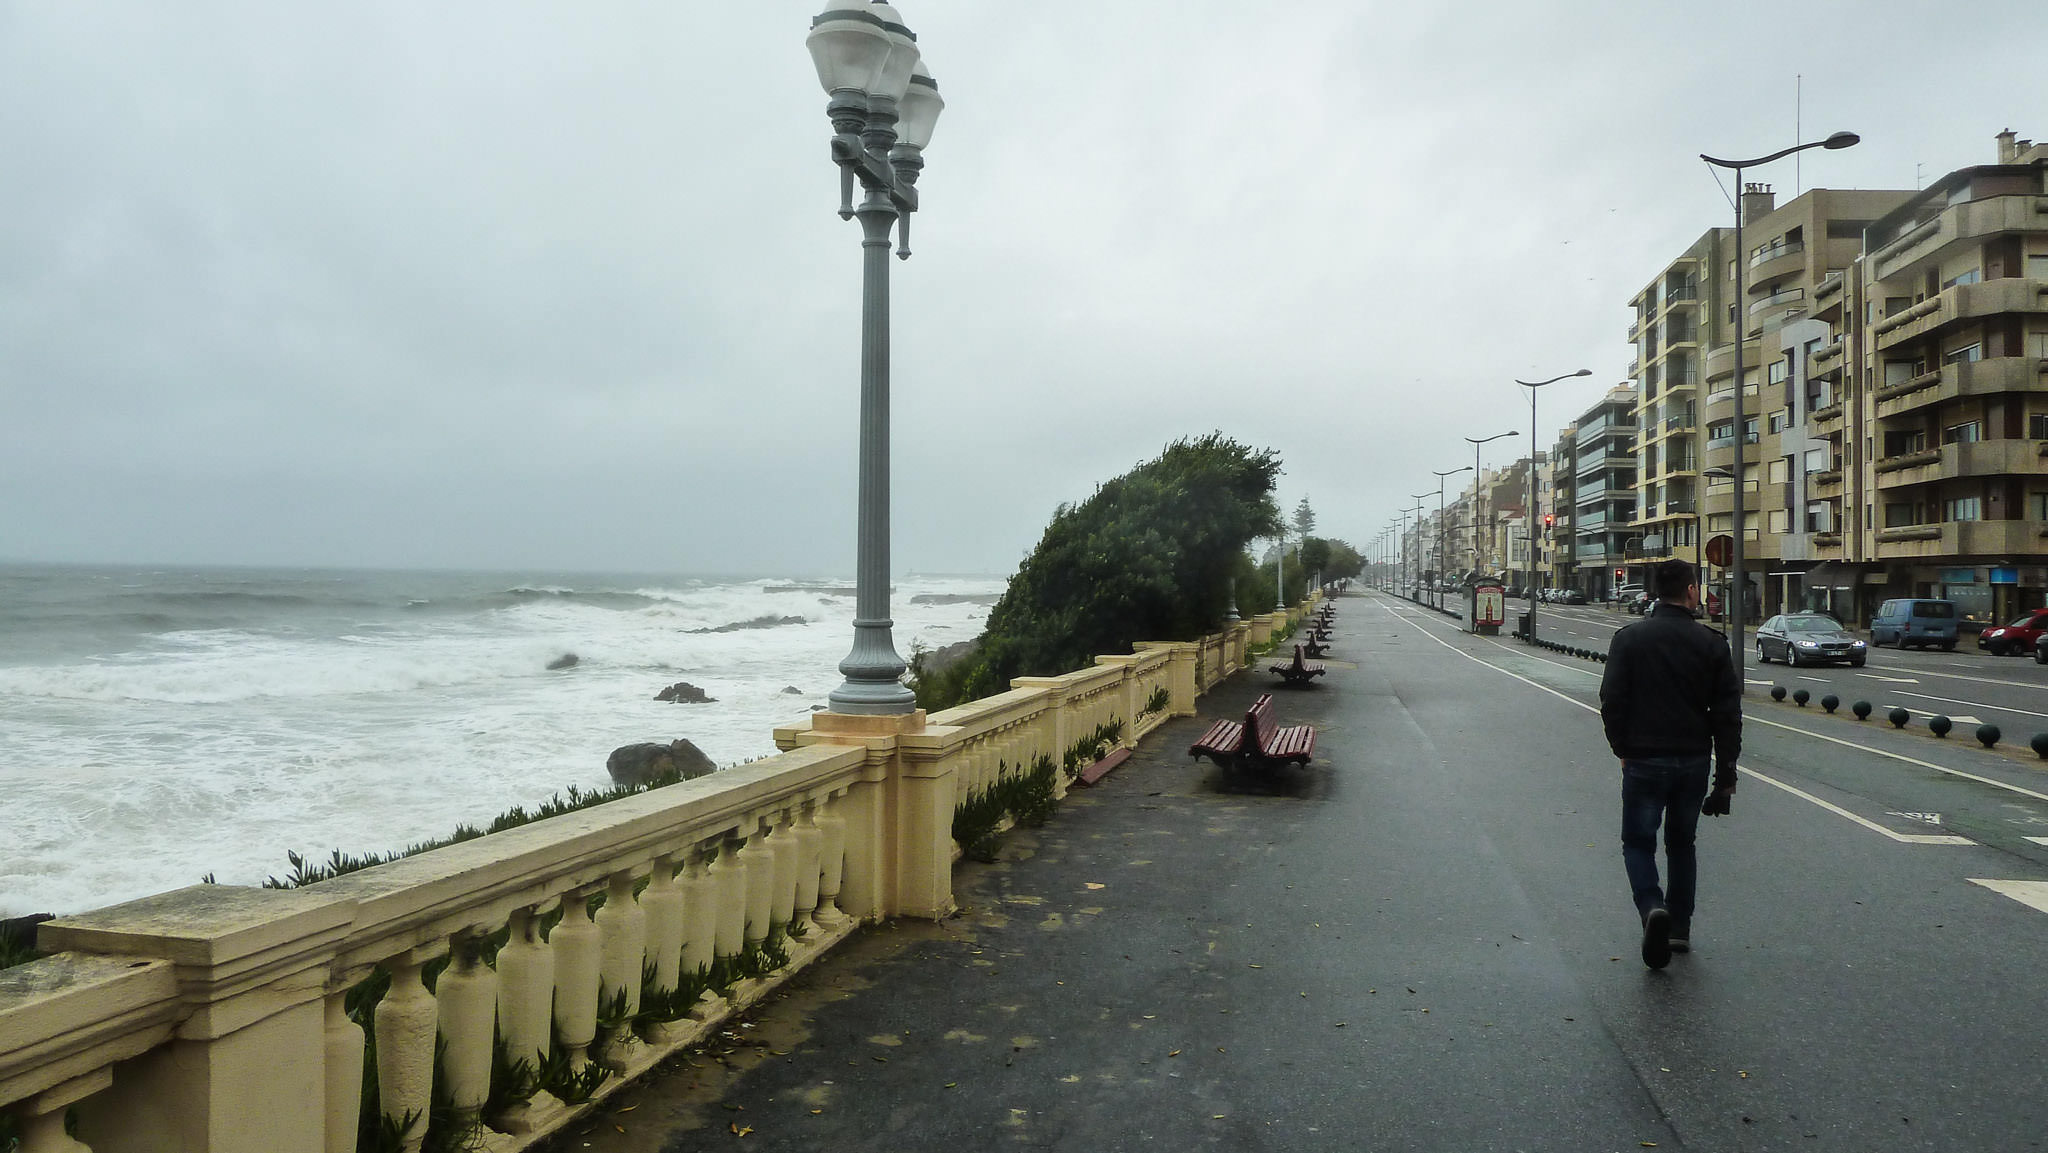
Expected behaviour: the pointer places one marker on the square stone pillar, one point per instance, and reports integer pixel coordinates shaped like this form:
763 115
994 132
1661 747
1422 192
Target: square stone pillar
900 818
245 1069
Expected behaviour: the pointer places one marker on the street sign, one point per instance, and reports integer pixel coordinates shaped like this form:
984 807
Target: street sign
1721 550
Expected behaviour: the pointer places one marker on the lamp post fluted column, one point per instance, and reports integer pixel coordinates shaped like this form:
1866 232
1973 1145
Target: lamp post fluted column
1440 529
1738 585
1475 442
1530 513
883 107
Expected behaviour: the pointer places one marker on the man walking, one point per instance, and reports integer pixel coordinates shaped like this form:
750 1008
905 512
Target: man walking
1669 701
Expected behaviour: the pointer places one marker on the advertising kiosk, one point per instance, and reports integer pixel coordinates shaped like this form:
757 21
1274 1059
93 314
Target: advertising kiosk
1488 607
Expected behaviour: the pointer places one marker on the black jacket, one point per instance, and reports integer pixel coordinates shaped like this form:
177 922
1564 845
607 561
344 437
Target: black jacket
1670 690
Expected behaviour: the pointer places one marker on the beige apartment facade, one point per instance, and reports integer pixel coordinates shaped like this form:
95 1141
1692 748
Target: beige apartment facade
1933 401
1685 326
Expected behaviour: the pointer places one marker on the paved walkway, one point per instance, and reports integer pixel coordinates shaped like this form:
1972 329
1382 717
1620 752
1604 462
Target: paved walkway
1424 942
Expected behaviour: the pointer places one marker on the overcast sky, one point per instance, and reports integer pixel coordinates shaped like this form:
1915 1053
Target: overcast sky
562 286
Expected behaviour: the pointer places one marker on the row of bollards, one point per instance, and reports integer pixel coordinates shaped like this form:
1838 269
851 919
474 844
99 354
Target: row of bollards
1560 647
1988 735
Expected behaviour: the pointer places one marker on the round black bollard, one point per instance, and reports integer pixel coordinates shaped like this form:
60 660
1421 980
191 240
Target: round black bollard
2040 745
1800 697
1898 718
1939 725
1831 702
1861 709
1987 735
1777 692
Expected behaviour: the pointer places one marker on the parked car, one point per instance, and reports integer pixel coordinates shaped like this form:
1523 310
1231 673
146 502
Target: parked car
2021 636
1572 597
1625 595
1807 638
1916 622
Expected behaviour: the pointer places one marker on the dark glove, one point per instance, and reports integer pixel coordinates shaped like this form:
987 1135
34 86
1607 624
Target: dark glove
1717 804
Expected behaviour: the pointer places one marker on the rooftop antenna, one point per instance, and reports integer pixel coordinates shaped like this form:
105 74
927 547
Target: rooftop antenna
1916 175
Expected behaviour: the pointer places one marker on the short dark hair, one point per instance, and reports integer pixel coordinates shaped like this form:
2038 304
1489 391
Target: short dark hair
1671 579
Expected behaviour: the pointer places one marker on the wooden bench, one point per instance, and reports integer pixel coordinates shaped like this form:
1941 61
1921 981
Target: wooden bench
1319 633
1301 672
1256 741
1316 649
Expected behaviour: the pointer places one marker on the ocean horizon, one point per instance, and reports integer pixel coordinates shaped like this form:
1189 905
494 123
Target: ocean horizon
159 723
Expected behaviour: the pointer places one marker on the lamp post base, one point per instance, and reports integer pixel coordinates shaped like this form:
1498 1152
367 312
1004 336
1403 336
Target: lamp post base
874 674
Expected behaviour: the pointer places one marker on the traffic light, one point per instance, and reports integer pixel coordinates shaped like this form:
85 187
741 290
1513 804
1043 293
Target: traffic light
1549 519
1620 574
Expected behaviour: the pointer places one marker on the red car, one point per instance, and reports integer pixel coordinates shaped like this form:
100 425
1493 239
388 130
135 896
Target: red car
2016 638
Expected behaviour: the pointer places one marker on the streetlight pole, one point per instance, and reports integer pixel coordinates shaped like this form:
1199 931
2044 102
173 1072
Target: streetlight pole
1475 443
1440 529
1737 582
1529 516
1420 508
883 107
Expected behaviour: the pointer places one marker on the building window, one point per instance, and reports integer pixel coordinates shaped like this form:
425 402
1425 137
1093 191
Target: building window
1899 515
1776 471
1720 430
1780 521
1962 508
1749 433
1816 460
2037 426
1777 423
2037 267
1968 433
2037 505
1778 372
1970 277
1964 355
1817 519
1901 443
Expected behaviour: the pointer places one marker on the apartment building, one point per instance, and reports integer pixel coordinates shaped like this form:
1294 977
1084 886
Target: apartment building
1928 397
1685 325
1601 493
1561 569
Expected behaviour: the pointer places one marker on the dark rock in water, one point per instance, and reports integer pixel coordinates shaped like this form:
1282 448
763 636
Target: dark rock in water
939 660
565 661
767 622
792 691
684 693
817 708
639 764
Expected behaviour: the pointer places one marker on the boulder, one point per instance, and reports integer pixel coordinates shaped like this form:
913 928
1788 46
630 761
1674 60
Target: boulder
684 693
641 763
792 691
565 661
939 660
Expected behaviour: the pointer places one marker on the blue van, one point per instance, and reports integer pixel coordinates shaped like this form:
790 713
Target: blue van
1918 623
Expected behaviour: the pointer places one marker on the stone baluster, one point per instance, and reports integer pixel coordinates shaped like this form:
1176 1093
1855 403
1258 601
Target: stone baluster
467 994
344 1074
662 901
729 938
405 1022
809 845
783 845
578 950
831 860
759 862
700 911
526 999
42 1116
622 929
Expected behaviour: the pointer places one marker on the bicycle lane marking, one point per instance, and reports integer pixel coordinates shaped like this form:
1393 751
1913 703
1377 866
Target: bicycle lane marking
1902 838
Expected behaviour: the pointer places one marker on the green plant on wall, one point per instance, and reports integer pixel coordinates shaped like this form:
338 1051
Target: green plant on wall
1156 703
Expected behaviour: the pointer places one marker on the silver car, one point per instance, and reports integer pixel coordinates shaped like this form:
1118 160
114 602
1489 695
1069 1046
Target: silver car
1807 638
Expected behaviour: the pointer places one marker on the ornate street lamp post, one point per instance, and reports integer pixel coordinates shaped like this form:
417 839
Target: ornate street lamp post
1737 585
1529 521
883 107
1440 529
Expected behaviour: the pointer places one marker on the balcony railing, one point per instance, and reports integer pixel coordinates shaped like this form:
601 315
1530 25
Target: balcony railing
1781 298
1777 252
2002 374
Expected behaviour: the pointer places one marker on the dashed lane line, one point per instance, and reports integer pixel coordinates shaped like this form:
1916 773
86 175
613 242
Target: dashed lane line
1902 838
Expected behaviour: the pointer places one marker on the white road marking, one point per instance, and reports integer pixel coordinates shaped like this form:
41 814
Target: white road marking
1815 680
1925 713
2039 840
1873 826
2033 894
1980 704
1923 818
1891 680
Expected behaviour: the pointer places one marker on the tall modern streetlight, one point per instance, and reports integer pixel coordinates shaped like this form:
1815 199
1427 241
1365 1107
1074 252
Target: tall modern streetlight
1419 509
1529 523
1476 442
1440 528
1737 583
883 107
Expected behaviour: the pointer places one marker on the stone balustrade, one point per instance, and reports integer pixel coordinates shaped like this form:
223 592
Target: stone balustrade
507 983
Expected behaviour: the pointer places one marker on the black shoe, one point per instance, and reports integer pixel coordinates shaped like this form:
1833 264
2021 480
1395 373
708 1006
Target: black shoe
1657 938
1680 937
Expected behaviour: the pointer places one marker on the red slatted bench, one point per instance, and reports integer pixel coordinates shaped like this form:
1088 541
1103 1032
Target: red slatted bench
1256 741
1315 649
1301 673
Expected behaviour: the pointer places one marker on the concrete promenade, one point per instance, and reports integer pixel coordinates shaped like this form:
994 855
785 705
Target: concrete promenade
1425 942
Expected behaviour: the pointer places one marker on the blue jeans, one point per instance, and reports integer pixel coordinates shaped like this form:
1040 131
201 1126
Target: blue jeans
1666 791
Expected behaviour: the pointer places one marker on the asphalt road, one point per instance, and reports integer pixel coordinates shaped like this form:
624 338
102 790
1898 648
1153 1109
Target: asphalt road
1426 942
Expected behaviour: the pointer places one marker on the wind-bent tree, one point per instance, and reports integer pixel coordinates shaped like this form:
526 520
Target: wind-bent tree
1150 556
